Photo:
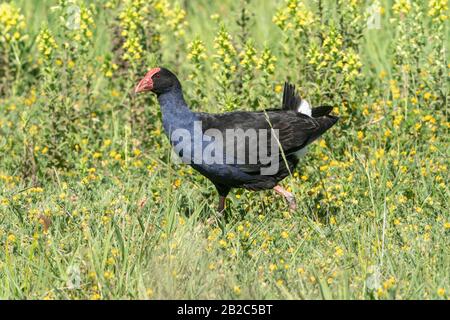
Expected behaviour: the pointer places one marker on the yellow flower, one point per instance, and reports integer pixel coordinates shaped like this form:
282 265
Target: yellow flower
231 236
115 252
338 252
360 135
388 284
49 296
379 153
46 43
441 292
380 293
401 6
12 23
237 290
284 234
96 296
222 243
333 220
387 133
96 155
108 275
438 10
11 238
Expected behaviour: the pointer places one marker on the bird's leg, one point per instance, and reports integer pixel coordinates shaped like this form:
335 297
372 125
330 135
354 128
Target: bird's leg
287 195
220 210
221 204
223 192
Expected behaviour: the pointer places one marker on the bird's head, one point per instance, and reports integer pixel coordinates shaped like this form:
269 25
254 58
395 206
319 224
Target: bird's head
157 80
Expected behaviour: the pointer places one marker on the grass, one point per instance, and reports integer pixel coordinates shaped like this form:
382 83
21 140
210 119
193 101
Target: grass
122 221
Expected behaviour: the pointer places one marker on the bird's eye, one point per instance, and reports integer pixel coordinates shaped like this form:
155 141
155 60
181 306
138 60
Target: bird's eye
157 75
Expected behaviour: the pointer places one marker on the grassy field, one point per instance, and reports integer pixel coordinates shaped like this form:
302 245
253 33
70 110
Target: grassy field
93 207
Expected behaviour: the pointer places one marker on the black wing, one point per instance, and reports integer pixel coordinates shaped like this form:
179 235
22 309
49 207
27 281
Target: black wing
295 130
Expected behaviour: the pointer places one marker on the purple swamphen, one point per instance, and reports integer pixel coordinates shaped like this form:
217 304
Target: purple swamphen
244 158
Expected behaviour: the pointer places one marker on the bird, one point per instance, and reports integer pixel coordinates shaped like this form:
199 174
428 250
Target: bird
206 141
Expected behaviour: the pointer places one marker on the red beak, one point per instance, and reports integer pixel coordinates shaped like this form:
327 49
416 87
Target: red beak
146 84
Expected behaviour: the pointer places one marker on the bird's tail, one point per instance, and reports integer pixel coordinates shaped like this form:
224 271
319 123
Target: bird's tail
325 123
321 111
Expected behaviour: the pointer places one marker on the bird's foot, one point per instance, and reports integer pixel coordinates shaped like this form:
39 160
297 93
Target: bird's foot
210 221
288 196
215 219
292 204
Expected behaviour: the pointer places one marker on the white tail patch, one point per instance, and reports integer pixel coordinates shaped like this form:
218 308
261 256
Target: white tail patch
305 108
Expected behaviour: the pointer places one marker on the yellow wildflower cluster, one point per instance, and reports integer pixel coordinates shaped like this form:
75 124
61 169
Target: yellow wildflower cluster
197 51
86 25
143 22
293 16
248 57
331 54
12 24
395 91
132 20
46 43
175 18
438 10
225 51
441 292
389 283
266 62
109 67
197 56
350 65
402 6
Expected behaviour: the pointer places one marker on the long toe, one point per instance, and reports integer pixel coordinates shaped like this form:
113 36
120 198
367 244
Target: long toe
288 196
292 204
211 221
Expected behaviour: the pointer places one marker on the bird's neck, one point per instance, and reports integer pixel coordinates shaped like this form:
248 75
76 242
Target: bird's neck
175 112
